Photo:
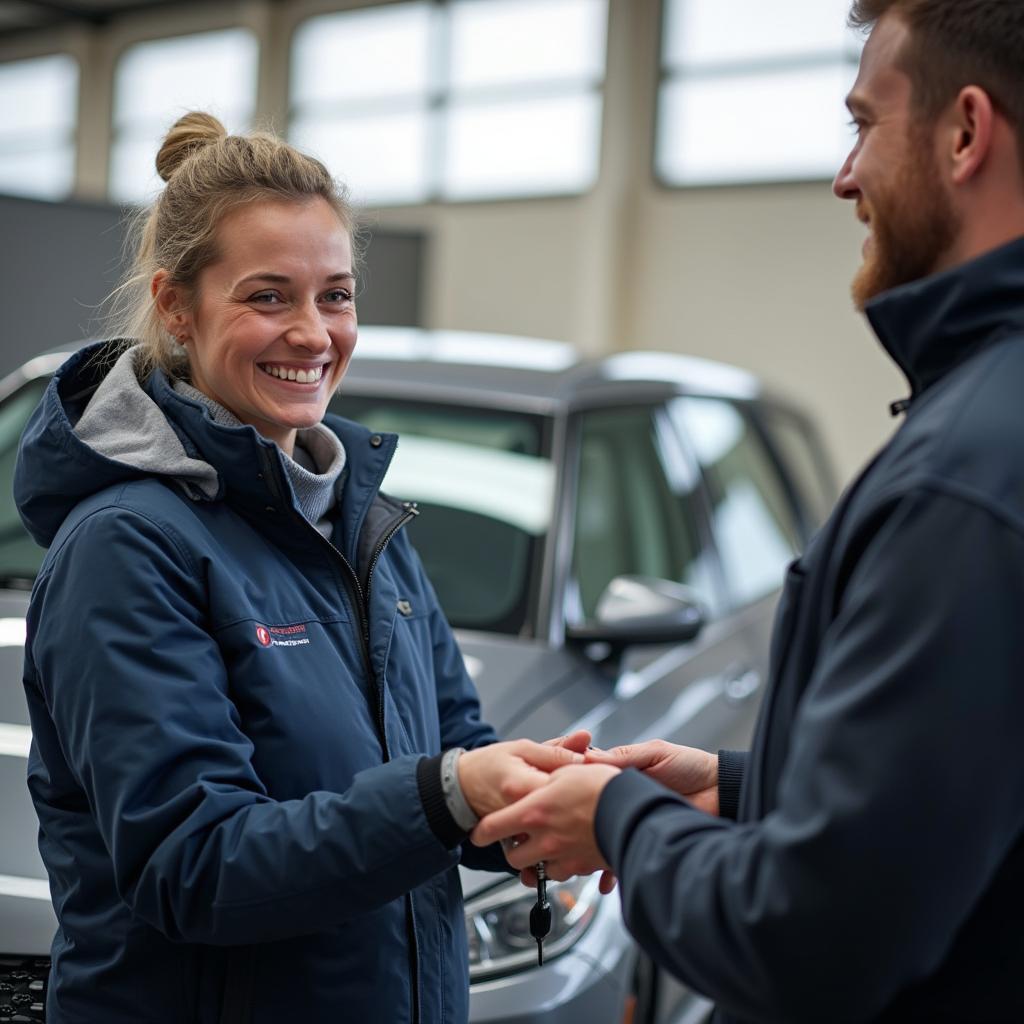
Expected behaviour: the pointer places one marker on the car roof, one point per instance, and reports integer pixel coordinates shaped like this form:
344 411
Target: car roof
527 373
508 371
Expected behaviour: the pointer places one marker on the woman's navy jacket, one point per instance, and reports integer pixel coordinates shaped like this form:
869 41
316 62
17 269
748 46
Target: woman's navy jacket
227 721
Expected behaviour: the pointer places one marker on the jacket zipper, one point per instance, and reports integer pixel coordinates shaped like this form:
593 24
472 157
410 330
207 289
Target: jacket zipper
411 511
361 603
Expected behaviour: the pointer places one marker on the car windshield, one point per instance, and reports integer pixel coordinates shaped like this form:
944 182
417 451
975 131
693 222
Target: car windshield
484 483
483 480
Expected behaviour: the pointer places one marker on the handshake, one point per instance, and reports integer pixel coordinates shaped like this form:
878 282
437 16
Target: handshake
540 799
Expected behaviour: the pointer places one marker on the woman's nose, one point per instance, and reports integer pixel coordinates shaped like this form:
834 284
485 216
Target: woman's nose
308 330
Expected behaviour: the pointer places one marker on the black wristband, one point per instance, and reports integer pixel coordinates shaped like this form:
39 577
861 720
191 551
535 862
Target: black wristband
439 818
731 769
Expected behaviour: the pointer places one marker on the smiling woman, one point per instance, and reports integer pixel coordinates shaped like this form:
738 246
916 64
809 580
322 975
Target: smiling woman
271 345
256 749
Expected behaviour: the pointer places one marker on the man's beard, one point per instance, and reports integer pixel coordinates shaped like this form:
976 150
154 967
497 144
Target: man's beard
913 225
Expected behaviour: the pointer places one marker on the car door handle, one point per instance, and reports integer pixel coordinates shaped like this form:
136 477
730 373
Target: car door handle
743 685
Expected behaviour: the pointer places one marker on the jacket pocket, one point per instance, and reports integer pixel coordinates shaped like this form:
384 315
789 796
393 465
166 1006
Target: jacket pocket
239 976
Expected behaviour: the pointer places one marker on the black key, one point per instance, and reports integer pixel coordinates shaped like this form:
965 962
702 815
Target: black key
540 915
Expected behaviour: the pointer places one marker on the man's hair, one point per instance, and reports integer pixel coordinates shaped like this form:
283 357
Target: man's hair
955 43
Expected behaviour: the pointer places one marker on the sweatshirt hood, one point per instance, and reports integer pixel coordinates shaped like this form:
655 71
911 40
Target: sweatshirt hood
97 426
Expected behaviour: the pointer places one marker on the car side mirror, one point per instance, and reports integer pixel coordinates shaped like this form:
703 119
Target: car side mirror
642 610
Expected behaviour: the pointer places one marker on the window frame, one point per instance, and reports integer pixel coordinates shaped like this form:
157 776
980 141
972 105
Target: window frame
666 431
70 139
116 132
762 415
747 410
668 74
441 97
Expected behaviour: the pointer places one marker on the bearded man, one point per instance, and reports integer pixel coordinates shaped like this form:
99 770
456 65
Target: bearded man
865 861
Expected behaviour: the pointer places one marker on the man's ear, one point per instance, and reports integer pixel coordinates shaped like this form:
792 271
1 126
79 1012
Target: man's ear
971 125
171 305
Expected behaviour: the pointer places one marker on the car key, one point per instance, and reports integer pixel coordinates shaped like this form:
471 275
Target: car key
540 915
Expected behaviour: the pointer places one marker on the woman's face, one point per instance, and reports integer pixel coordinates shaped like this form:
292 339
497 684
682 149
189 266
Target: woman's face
271 330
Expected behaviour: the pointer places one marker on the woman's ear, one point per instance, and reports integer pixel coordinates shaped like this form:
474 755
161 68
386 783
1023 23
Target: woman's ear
171 306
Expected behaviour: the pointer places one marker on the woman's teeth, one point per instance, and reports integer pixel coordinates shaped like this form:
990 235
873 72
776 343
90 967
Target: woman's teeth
289 373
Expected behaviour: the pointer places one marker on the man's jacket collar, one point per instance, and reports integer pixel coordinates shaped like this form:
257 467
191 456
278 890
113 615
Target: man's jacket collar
931 325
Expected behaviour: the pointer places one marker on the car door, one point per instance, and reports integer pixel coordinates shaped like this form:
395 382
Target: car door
640 511
759 526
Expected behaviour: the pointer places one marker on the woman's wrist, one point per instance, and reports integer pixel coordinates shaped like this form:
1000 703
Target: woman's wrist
435 806
455 800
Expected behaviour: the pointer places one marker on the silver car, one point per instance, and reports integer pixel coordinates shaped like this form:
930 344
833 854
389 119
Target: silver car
607 538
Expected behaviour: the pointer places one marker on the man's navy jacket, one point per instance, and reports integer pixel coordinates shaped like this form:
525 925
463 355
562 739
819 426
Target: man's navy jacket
876 870
227 729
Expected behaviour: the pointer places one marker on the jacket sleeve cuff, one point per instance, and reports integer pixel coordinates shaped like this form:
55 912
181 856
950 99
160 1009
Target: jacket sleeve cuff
732 767
623 802
439 818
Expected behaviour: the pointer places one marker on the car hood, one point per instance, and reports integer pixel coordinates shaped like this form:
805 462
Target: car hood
515 676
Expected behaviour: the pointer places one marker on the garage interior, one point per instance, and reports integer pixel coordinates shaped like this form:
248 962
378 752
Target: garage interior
752 268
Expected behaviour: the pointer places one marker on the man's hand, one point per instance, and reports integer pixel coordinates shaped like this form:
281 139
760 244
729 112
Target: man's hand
691 773
499 774
578 741
554 823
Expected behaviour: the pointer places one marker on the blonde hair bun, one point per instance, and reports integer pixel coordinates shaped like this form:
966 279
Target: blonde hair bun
190 133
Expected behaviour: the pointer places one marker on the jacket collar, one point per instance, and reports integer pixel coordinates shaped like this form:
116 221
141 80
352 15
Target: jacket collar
250 466
931 325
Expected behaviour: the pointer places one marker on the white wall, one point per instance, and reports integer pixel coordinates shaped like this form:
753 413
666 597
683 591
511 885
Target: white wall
756 276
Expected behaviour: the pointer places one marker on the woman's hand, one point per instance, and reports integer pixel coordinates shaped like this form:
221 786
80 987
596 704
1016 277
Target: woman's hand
554 824
494 776
690 772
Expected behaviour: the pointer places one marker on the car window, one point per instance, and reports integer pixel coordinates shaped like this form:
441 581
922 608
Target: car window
755 525
485 488
636 510
804 461
20 556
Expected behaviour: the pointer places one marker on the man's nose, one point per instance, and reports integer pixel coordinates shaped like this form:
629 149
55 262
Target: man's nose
844 184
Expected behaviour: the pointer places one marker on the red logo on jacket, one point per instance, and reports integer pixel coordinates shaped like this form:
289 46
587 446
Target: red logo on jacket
282 636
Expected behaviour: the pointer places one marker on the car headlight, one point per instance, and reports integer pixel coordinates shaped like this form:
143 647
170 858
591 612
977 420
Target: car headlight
498 924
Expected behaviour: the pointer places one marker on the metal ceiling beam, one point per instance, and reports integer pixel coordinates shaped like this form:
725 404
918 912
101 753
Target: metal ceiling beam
68 12
64 13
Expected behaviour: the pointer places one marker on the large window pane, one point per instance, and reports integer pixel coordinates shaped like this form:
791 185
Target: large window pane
476 99
39 174
339 56
763 126
754 92
720 31
533 147
156 82
39 100
504 41
380 157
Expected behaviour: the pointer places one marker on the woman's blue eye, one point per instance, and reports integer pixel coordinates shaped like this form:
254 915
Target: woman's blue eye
264 297
338 295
